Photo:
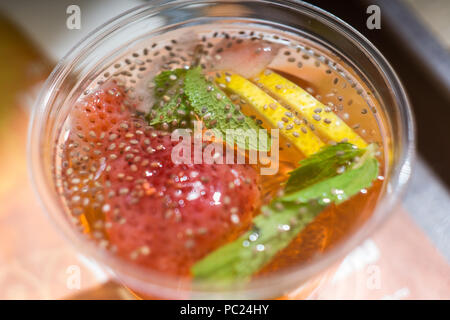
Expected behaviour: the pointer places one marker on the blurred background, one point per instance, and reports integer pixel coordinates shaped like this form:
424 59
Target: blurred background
411 252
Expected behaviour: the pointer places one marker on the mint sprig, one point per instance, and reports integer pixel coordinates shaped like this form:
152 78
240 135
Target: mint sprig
171 105
218 112
282 220
328 162
180 92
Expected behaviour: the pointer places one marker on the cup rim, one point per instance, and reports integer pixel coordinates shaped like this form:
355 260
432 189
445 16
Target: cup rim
136 275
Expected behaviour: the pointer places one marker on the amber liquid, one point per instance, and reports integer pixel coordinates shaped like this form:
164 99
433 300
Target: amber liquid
335 223
346 95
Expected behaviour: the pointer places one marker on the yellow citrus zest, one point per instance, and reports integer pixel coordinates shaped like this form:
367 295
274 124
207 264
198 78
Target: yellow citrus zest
323 119
273 114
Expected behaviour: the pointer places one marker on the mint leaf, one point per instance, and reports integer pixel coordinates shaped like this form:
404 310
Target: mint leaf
246 255
338 188
218 112
280 222
180 92
328 162
164 81
171 106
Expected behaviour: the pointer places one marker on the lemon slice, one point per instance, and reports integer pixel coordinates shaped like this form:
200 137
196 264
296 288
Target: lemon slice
273 113
328 124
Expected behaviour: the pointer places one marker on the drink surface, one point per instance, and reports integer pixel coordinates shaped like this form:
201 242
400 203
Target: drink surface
115 168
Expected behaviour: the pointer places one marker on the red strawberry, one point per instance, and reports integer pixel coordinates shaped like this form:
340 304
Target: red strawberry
167 216
100 110
162 215
84 149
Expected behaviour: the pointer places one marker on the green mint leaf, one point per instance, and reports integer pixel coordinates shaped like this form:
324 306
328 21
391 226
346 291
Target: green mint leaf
218 112
171 105
326 163
166 80
279 223
246 255
338 188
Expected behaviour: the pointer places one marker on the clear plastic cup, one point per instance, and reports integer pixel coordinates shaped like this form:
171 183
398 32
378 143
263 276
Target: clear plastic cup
109 41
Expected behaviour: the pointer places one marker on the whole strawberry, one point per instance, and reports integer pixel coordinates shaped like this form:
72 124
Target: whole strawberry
156 213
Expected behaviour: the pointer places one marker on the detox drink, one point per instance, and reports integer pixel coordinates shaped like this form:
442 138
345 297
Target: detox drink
222 153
